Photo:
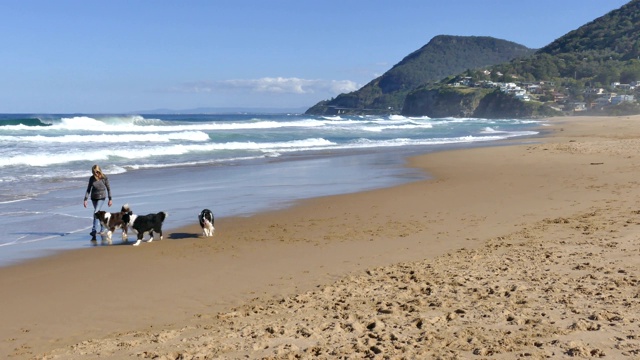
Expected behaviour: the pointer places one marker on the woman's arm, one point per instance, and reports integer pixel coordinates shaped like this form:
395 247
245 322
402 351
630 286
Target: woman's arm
106 184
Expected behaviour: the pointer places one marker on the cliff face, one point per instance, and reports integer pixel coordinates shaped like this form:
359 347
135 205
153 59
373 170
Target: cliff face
437 103
500 105
479 103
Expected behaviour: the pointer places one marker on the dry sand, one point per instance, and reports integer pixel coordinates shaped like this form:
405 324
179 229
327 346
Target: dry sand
528 250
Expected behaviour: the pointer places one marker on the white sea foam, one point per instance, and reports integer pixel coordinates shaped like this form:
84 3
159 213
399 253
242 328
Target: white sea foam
333 117
46 159
489 130
401 142
41 159
111 138
199 163
13 201
408 126
139 124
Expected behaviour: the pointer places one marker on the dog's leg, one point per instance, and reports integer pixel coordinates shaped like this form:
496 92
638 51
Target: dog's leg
139 239
151 237
208 230
140 235
103 237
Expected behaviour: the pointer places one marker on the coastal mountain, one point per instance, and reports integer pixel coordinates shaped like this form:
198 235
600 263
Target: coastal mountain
614 34
601 52
594 69
443 56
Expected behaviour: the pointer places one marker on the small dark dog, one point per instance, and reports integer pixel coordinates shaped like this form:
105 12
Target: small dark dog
150 223
206 222
112 221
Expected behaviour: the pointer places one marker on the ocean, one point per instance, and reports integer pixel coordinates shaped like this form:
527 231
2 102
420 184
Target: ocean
234 164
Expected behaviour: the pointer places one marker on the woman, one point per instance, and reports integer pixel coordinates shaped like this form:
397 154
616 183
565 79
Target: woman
99 190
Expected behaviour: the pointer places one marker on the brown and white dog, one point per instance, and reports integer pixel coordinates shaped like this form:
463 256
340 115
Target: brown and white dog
112 221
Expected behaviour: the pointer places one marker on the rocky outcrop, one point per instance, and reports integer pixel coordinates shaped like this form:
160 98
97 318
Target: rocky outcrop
470 102
445 102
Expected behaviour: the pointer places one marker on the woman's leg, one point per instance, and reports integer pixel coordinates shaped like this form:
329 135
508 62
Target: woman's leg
97 206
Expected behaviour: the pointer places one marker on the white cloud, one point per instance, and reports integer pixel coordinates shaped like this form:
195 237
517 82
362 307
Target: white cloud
274 85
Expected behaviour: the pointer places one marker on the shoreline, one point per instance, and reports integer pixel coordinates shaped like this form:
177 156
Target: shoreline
184 284
228 190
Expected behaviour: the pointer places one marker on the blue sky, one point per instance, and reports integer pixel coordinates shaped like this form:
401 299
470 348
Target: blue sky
120 56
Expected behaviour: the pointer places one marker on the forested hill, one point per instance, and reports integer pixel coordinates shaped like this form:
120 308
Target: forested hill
597 54
616 34
594 69
443 56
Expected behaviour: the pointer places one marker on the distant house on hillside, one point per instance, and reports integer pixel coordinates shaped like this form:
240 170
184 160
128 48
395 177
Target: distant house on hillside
509 87
487 84
558 97
594 91
615 100
617 85
602 101
578 106
534 89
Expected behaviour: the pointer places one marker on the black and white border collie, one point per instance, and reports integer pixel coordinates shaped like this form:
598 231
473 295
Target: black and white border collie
151 223
206 222
112 221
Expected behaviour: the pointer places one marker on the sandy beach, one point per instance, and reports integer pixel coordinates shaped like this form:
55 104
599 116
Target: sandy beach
524 250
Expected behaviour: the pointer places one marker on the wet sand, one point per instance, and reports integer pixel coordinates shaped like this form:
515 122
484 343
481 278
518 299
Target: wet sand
527 250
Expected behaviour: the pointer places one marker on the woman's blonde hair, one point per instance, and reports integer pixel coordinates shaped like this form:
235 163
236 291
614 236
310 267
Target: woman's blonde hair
97 172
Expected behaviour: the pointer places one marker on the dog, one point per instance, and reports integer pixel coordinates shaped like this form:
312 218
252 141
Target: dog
112 221
206 222
151 223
